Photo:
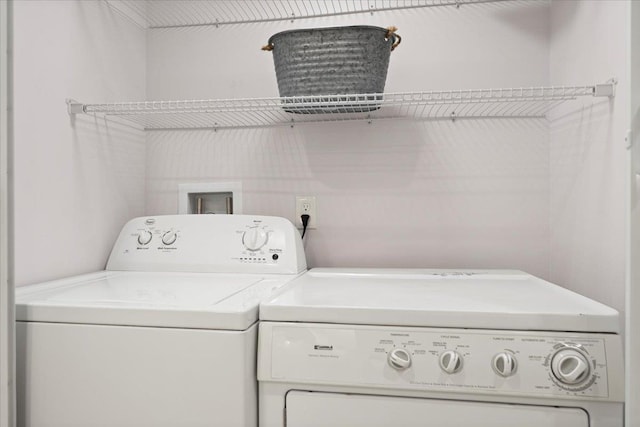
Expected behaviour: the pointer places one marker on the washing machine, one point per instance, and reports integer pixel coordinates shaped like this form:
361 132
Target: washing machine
165 336
375 348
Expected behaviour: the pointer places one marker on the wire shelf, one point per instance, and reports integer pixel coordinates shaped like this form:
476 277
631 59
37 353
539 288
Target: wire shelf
264 112
187 13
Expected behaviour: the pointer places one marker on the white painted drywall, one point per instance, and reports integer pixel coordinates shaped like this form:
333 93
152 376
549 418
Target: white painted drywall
7 317
76 182
474 46
587 151
632 356
392 193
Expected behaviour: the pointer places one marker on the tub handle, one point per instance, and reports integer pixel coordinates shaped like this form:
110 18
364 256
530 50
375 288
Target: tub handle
391 32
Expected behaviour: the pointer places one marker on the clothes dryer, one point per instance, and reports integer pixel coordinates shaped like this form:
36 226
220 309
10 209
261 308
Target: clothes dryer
376 347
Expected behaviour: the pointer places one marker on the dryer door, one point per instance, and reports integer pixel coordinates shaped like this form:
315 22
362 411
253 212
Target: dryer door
316 409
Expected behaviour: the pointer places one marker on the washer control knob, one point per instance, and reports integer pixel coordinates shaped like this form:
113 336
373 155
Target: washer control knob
144 237
451 361
504 364
570 366
254 238
169 237
399 359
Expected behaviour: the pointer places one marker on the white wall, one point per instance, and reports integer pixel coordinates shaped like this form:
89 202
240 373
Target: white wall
76 183
633 285
588 154
393 193
7 318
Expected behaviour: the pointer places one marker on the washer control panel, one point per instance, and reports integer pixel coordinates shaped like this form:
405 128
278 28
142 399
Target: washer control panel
542 364
209 243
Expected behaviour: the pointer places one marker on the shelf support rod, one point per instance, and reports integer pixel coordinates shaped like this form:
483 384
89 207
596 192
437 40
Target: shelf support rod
74 107
606 89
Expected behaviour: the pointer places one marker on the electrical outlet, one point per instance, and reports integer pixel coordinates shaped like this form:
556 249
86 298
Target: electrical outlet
306 205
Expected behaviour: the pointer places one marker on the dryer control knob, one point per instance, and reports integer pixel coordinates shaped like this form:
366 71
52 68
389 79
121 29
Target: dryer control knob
169 237
144 237
254 238
451 361
504 364
570 366
399 359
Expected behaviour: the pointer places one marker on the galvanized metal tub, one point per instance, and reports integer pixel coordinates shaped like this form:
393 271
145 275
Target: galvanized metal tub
333 61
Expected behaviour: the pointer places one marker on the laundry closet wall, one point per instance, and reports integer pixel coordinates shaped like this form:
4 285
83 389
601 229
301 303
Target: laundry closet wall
393 193
76 181
544 196
588 151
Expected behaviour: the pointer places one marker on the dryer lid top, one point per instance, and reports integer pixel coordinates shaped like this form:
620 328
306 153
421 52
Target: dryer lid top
489 299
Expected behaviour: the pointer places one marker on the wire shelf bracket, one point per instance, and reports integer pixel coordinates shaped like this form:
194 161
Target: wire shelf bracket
606 89
531 102
74 107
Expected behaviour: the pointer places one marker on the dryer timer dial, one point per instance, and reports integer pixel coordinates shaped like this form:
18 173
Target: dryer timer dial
570 366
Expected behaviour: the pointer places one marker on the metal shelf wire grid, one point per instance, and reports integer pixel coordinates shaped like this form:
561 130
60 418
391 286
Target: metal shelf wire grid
265 112
186 13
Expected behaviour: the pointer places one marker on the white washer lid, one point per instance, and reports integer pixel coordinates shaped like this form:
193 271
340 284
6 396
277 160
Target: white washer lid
185 300
510 300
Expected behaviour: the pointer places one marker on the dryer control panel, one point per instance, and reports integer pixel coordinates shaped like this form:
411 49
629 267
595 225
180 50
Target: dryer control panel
538 364
209 243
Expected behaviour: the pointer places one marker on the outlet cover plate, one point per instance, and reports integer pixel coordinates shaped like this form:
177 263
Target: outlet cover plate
306 205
